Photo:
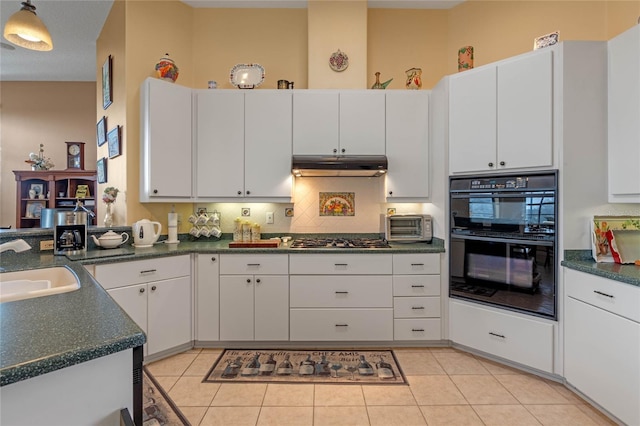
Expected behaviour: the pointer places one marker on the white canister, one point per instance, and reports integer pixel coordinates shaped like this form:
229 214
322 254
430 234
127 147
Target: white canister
246 231
255 232
237 229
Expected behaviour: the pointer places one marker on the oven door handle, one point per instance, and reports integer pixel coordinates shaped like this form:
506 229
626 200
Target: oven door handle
531 242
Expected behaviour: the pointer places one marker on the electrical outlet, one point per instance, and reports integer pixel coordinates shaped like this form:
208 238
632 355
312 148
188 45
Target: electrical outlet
269 218
201 210
246 212
46 245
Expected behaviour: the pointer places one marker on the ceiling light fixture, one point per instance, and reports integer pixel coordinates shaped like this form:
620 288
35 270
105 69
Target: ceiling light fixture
25 29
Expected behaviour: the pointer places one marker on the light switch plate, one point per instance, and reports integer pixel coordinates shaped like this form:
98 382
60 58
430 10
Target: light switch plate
46 245
269 218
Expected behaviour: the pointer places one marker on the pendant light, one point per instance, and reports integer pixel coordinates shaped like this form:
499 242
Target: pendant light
25 29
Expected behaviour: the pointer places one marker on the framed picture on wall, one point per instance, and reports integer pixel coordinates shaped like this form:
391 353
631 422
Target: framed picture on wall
102 131
113 138
101 169
107 82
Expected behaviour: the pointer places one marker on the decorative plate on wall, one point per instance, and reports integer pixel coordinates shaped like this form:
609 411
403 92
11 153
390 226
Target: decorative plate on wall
339 61
246 76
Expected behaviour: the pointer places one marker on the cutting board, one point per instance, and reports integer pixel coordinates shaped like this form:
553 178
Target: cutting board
254 244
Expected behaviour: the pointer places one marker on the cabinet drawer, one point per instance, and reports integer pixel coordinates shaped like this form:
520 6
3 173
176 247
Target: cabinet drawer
416 307
417 329
352 291
121 274
416 263
277 264
340 264
522 340
341 324
416 285
618 298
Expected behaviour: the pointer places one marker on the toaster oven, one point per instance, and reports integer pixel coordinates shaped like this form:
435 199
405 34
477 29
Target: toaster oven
407 227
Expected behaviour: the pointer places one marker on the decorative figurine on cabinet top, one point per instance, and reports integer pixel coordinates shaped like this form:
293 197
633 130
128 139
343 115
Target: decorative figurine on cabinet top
465 58
414 78
166 69
378 85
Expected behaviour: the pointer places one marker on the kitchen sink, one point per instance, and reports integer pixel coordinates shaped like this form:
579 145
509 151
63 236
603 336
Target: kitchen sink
20 285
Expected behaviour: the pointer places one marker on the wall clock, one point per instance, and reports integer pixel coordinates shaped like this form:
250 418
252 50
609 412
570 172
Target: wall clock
75 155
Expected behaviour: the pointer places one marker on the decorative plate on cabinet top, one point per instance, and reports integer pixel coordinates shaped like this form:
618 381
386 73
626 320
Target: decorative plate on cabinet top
339 61
246 76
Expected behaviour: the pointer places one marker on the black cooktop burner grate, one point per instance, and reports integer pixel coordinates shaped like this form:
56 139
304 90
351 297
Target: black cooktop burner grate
362 243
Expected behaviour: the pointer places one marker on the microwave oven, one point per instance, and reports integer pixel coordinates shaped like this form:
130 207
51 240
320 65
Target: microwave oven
407 227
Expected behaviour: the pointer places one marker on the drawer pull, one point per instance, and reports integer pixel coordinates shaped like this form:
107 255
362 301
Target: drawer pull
258 280
497 335
342 292
142 290
417 286
248 280
153 288
253 264
340 264
148 271
417 307
417 329
342 325
417 264
602 294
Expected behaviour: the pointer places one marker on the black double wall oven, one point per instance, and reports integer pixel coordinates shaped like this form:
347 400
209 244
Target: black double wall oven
503 241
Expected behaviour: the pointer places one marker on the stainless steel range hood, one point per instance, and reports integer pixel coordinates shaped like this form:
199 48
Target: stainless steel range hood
343 165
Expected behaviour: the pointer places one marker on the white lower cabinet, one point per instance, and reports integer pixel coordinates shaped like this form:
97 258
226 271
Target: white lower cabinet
156 294
602 342
207 297
254 297
341 297
416 297
524 340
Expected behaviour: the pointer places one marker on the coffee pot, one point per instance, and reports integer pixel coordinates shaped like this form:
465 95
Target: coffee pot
146 232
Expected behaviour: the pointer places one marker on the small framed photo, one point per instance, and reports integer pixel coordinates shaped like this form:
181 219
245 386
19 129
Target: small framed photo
102 131
107 81
38 189
113 138
101 169
34 209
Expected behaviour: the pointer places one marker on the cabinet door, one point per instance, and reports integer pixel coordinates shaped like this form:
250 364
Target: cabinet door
315 123
207 297
362 122
220 143
601 358
169 314
267 158
525 108
271 307
236 307
407 144
166 140
624 110
133 300
472 120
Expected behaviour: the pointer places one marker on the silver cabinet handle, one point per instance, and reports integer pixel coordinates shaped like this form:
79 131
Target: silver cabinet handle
342 292
502 336
340 264
603 294
417 329
148 271
417 286
417 307
342 325
417 264
253 264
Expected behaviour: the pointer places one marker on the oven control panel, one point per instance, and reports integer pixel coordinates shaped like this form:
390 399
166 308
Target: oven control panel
499 183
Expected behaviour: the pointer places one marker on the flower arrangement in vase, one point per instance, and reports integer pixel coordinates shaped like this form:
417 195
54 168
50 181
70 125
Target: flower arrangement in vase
108 198
38 161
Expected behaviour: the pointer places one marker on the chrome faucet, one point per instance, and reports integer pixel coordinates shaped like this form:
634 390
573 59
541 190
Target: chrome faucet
15 245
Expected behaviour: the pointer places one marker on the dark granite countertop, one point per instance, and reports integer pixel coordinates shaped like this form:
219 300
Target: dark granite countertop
581 260
45 334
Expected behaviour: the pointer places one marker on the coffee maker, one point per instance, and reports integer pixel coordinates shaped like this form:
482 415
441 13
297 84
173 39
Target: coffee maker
70 232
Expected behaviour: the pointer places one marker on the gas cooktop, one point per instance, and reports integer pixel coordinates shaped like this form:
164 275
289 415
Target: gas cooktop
356 243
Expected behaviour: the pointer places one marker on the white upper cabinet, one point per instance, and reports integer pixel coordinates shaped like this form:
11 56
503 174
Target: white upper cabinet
348 122
501 115
624 117
407 144
220 143
315 122
267 144
165 157
243 144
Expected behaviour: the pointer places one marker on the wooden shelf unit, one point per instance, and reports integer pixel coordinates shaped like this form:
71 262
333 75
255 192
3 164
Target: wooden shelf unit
54 183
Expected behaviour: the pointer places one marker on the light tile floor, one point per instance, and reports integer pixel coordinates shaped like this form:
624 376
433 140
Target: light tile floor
446 387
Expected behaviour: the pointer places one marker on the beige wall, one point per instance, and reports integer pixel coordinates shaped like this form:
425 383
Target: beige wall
50 113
